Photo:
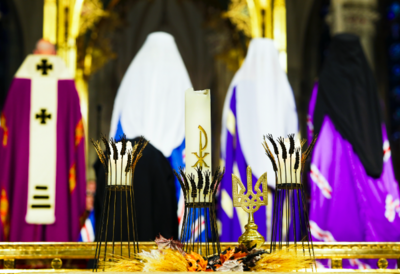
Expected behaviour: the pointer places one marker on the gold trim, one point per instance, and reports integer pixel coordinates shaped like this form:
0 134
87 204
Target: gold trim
49 21
9 252
262 18
372 250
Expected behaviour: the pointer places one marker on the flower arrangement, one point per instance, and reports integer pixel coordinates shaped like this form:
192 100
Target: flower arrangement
170 257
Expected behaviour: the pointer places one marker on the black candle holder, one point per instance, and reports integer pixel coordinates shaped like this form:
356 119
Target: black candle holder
199 232
289 201
119 161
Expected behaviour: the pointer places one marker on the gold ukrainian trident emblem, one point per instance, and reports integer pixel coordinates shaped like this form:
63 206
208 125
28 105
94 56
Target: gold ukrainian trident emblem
250 203
200 158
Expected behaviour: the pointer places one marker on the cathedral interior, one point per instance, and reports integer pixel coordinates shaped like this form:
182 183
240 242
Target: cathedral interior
212 41
98 39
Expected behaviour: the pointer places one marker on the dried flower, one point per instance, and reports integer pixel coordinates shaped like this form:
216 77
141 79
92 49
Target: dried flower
220 175
193 184
214 179
100 153
227 255
291 140
271 139
167 260
196 262
270 155
123 149
123 264
163 243
282 261
207 174
185 181
115 150
297 162
128 162
137 151
235 266
200 178
180 182
107 144
281 142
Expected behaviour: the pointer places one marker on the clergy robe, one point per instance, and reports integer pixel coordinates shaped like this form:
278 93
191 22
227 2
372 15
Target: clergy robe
354 194
42 177
259 101
150 101
155 199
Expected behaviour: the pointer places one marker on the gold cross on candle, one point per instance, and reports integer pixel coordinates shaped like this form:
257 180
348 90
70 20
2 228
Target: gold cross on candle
200 159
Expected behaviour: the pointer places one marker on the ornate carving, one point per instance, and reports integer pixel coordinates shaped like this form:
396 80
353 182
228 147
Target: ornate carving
9 263
238 13
250 203
382 263
56 263
92 11
356 17
337 263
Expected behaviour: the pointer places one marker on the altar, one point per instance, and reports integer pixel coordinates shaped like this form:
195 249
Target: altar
58 253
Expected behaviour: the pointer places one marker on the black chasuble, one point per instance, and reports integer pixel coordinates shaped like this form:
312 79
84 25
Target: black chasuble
155 199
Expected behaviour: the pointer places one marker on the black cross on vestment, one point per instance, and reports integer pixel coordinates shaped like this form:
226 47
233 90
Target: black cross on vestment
43 116
44 67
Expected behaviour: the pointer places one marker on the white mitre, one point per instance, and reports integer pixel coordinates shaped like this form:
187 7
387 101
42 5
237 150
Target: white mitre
151 98
264 105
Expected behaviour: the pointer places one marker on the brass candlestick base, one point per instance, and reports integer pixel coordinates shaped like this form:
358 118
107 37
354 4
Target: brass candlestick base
250 203
251 237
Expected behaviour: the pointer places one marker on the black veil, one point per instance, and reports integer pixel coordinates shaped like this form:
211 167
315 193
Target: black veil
348 94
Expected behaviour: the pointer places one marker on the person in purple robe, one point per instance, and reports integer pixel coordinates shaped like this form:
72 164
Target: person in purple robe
259 101
42 154
354 194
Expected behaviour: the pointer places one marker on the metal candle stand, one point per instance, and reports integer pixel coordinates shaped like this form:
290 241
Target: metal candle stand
199 232
289 200
119 161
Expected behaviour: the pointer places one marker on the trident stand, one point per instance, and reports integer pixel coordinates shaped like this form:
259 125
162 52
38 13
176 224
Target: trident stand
250 203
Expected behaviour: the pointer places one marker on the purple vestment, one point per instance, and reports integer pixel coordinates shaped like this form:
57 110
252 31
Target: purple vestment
70 187
347 205
259 101
232 223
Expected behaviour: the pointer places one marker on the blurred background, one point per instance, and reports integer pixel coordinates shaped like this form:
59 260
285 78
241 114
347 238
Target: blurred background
212 37
99 39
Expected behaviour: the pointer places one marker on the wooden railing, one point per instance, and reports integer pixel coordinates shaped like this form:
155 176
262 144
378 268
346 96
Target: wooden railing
57 252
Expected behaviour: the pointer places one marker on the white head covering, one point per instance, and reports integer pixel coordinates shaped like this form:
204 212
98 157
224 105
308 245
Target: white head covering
264 104
151 98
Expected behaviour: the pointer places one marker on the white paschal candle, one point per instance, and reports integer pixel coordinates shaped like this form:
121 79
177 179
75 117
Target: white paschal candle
289 174
197 133
114 177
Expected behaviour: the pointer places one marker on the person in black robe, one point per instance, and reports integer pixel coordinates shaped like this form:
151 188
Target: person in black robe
154 197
